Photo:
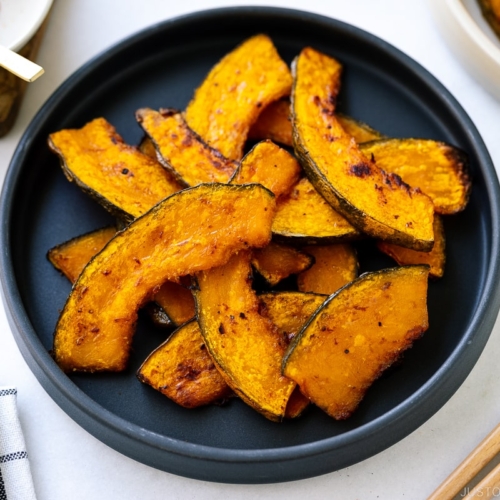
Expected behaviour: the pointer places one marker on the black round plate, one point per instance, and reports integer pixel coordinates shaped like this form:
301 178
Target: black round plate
161 67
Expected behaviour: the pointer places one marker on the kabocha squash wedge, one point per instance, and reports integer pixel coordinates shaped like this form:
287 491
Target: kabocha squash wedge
147 147
235 92
193 230
177 301
276 262
355 335
274 123
375 202
246 346
491 12
359 131
334 267
304 217
438 169
289 311
181 151
269 165
173 303
182 370
296 404
72 256
121 178
435 259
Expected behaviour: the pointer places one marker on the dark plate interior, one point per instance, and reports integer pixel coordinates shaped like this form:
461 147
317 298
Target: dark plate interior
160 68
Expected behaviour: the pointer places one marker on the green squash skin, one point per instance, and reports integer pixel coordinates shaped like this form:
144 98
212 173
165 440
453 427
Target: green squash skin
369 275
355 216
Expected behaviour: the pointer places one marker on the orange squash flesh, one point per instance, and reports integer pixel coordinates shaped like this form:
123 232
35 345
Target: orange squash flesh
269 165
274 123
305 217
182 370
435 259
276 262
190 231
375 202
296 404
246 346
438 169
289 311
334 267
357 333
72 256
177 301
235 92
147 147
121 178
181 151
361 132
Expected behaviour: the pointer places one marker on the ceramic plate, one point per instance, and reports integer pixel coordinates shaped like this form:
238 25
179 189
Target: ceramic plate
161 67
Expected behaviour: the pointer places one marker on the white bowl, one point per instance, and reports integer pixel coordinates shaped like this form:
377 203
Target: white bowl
20 19
471 39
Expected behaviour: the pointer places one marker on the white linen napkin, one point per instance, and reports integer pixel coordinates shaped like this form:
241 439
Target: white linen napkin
16 482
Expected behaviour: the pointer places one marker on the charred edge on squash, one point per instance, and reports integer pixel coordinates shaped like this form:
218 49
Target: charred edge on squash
192 137
117 212
460 162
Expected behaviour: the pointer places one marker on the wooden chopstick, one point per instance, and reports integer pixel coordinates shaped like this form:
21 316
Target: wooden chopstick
469 468
489 487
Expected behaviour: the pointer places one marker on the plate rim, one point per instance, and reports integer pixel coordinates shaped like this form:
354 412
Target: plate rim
60 387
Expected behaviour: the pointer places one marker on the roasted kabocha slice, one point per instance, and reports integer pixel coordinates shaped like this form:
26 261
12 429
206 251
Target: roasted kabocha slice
234 93
305 217
274 123
438 169
177 301
358 130
435 259
277 262
122 179
182 370
190 231
355 335
245 345
375 202
334 266
72 256
180 150
269 165
173 304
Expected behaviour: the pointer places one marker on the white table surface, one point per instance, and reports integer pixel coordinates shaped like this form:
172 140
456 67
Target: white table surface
69 463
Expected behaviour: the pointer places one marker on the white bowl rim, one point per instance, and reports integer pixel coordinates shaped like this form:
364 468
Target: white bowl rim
475 33
22 39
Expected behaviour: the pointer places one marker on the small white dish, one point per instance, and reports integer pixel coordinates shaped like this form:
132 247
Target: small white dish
471 39
20 19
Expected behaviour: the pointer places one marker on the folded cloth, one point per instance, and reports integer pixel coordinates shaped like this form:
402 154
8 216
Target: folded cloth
16 482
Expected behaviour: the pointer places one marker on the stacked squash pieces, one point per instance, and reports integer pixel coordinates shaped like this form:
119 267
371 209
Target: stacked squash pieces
198 216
